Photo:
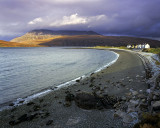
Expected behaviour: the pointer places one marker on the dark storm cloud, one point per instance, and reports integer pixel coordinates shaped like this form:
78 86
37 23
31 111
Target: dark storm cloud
112 17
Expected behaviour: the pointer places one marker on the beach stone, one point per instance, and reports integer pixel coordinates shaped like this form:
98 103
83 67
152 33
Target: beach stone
32 116
86 100
91 85
130 80
143 100
77 90
67 104
156 105
134 102
148 90
69 97
36 107
12 110
128 94
124 98
45 115
117 105
134 93
155 97
98 93
30 103
92 79
11 104
130 118
143 106
119 113
21 101
141 96
23 118
109 101
77 80
131 108
49 122
41 100
157 93
73 121
13 122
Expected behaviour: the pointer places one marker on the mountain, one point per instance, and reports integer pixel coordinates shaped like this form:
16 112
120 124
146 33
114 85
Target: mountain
62 32
42 34
98 40
43 37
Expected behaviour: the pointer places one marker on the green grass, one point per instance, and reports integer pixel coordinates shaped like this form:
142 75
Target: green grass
152 50
101 47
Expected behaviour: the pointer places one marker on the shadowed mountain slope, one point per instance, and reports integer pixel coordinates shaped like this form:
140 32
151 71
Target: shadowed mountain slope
98 40
50 38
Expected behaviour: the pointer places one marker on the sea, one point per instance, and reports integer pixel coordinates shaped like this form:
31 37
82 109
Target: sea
26 73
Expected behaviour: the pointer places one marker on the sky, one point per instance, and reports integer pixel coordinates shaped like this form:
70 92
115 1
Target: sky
139 18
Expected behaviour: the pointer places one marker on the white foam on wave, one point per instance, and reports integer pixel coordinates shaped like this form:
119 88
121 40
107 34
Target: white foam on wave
109 64
21 101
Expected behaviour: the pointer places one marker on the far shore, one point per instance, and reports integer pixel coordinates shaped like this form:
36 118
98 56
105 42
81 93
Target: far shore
125 80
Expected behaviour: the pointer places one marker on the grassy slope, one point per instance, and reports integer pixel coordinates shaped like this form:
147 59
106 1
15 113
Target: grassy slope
85 40
153 50
39 41
98 40
13 44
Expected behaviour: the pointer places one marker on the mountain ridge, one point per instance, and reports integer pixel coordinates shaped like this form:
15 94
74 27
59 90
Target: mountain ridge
46 34
50 38
62 32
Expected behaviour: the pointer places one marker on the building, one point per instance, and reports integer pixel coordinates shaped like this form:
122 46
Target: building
147 46
139 46
129 46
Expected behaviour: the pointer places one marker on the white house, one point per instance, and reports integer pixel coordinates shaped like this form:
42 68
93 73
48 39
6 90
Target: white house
147 46
143 46
129 46
139 46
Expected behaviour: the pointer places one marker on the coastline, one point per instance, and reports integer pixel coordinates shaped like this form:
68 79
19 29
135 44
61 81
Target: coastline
121 71
24 100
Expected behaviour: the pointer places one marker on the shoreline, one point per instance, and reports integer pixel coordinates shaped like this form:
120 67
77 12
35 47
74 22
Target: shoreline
24 100
117 77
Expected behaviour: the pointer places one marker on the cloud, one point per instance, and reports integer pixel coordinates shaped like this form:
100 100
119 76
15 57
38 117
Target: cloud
75 19
36 20
112 17
70 20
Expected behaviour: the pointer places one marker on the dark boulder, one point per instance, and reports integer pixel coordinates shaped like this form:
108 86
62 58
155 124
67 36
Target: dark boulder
93 101
49 122
87 101
109 101
69 97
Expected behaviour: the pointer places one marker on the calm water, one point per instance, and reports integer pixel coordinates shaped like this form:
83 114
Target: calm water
25 71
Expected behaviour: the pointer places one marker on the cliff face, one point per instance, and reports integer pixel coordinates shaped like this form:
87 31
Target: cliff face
43 34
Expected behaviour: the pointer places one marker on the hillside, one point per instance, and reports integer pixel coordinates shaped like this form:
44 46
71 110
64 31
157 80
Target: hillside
13 44
42 34
43 37
98 40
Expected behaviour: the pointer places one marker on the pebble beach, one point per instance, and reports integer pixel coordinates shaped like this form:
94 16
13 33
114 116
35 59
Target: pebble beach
106 99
